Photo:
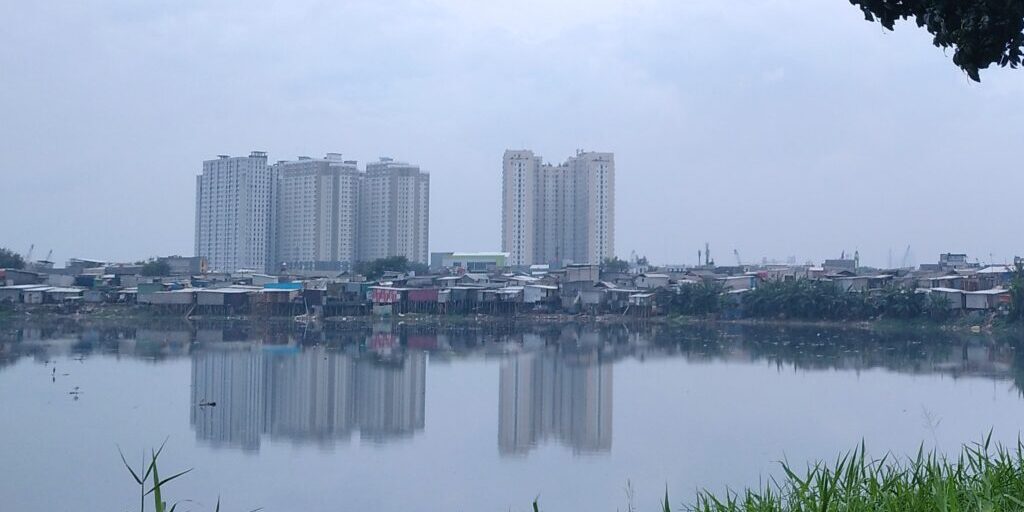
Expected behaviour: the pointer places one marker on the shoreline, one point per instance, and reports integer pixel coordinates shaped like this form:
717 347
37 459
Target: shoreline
989 326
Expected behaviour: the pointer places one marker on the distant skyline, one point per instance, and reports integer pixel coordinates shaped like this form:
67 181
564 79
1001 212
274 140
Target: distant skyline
773 127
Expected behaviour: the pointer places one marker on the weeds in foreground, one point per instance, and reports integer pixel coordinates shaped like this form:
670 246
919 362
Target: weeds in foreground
979 479
151 478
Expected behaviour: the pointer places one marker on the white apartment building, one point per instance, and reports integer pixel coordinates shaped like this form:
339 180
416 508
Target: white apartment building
519 198
317 206
234 199
558 214
310 214
394 211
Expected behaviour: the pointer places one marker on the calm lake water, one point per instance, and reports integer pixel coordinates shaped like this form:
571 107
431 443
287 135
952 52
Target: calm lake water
400 418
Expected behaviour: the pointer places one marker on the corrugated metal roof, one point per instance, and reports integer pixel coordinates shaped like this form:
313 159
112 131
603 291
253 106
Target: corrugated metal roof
996 269
993 291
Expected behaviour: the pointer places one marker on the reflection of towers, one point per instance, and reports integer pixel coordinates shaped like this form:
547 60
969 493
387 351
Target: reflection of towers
231 379
311 395
390 398
545 395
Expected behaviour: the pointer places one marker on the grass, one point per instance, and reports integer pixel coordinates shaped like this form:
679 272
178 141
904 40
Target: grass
980 479
150 478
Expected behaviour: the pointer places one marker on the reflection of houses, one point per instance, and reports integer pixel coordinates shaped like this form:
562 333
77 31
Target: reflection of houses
543 395
308 395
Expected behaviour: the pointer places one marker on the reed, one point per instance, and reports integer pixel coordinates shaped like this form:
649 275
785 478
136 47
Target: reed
981 478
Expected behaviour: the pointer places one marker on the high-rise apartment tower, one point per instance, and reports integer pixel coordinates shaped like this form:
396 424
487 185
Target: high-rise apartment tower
558 214
234 201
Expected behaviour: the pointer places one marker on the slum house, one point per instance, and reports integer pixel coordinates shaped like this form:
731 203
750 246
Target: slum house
52 295
422 300
501 301
179 301
862 283
641 304
280 299
954 298
16 293
650 281
992 299
996 276
461 299
388 300
538 297
954 281
347 298
185 265
231 300
13 276
737 283
578 292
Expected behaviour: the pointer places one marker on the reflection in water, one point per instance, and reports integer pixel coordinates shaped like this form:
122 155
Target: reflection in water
555 383
544 395
313 394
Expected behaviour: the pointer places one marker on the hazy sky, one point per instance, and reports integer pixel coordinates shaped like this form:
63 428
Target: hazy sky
775 127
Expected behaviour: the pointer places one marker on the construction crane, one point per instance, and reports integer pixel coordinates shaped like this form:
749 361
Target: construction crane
739 262
48 255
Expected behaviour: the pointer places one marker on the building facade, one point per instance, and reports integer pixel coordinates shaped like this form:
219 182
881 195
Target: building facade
234 203
394 211
469 261
309 214
558 214
317 213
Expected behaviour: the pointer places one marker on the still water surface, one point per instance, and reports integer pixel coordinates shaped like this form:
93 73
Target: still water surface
398 418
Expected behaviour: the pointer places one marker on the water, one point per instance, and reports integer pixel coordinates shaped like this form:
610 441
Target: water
403 418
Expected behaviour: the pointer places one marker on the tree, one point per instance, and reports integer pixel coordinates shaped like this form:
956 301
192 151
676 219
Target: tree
1017 292
614 264
375 269
10 259
981 32
156 268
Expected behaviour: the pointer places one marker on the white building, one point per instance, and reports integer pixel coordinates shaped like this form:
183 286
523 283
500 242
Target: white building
394 211
234 199
558 214
317 206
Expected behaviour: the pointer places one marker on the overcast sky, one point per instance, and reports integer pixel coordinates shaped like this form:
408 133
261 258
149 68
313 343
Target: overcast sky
774 127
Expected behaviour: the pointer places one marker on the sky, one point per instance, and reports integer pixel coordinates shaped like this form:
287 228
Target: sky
774 128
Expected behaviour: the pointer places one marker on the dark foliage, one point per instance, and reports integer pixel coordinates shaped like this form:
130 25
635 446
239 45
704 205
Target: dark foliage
981 32
156 268
375 269
1017 293
698 299
10 259
614 264
821 300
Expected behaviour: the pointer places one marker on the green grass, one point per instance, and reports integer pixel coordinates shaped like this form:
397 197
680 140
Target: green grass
149 477
979 479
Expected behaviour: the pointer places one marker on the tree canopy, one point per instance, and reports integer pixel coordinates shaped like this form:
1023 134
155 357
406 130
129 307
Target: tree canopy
10 259
981 32
614 264
156 268
375 269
